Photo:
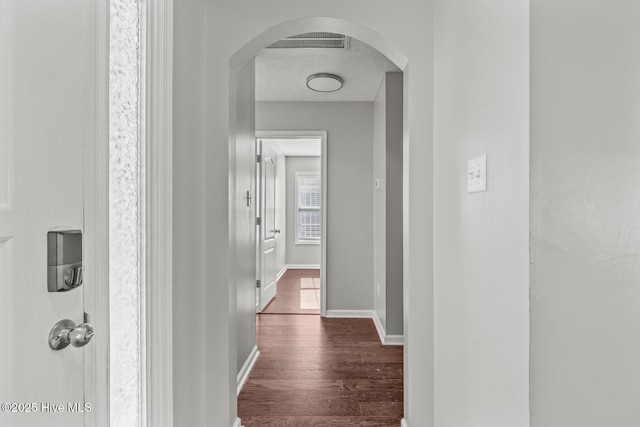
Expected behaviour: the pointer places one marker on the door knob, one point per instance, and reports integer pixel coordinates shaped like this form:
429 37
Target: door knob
275 231
66 332
81 335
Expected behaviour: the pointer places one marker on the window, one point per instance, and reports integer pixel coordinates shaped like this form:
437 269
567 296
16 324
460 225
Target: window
308 217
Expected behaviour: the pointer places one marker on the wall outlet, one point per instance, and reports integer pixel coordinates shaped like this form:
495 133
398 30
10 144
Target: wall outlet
477 174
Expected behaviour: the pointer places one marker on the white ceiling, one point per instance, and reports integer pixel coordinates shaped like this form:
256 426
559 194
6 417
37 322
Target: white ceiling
296 147
281 74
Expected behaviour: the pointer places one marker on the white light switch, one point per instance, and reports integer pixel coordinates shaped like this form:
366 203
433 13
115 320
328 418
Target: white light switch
477 174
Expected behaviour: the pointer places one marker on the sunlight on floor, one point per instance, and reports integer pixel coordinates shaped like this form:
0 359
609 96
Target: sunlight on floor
310 293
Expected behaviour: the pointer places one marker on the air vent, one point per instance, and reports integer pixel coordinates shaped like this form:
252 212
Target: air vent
313 41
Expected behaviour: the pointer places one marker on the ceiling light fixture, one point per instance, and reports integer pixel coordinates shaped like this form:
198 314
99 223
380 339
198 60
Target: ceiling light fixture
324 82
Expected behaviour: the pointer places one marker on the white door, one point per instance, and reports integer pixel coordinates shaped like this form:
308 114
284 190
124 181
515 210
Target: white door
45 88
267 229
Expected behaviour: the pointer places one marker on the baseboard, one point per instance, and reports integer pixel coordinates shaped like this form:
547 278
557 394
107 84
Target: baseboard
350 314
393 340
243 375
238 423
384 338
404 423
379 327
378 323
303 266
281 273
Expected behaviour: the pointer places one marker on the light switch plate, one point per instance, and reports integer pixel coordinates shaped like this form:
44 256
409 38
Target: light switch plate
477 174
378 183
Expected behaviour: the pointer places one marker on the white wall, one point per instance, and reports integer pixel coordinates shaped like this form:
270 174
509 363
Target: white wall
585 213
349 127
387 209
203 94
189 258
299 254
481 240
245 237
583 205
380 204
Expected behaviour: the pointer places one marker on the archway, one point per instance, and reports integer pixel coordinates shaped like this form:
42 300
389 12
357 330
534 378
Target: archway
239 95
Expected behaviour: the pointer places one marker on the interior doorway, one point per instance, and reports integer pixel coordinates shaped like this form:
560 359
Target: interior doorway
291 233
350 121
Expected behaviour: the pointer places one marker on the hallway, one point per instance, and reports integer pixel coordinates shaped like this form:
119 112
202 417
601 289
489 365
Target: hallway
314 371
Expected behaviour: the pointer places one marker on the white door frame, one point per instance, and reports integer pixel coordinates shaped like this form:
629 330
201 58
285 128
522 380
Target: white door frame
323 193
158 364
96 218
158 133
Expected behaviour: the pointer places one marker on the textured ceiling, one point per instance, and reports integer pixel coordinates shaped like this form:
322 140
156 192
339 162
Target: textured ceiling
281 75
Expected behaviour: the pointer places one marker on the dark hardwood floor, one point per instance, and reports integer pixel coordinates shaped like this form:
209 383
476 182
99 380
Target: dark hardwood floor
322 372
298 292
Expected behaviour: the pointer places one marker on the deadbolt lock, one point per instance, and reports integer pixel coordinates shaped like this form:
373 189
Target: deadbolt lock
64 249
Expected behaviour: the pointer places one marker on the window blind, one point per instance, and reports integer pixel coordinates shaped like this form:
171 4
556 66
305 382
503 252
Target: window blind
308 190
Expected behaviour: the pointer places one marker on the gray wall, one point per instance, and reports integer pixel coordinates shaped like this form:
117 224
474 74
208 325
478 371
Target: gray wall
394 222
387 234
585 213
481 239
299 254
204 88
349 195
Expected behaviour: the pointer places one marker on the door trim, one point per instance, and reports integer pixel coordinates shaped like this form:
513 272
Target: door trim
158 125
157 367
96 218
323 182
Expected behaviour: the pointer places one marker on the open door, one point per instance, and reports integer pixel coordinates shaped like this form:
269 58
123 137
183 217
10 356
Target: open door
267 229
47 54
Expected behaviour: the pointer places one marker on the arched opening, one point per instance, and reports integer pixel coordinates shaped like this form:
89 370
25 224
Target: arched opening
242 124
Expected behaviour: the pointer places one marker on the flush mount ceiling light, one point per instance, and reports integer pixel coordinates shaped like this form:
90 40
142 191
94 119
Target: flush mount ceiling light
324 82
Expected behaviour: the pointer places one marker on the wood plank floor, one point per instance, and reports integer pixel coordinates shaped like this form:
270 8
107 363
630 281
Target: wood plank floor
298 292
322 372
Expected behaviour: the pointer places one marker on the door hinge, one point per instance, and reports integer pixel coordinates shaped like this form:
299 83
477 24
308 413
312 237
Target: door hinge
258 221
258 284
258 158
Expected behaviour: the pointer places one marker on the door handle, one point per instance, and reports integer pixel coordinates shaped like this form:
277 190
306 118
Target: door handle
275 231
66 332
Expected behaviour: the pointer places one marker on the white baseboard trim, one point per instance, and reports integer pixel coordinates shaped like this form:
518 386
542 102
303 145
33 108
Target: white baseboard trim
404 423
379 327
243 375
384 338
303 266
238 423
282 271
393 340
350 314
368 314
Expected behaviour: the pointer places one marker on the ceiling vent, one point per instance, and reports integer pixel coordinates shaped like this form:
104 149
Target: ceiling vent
313 41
